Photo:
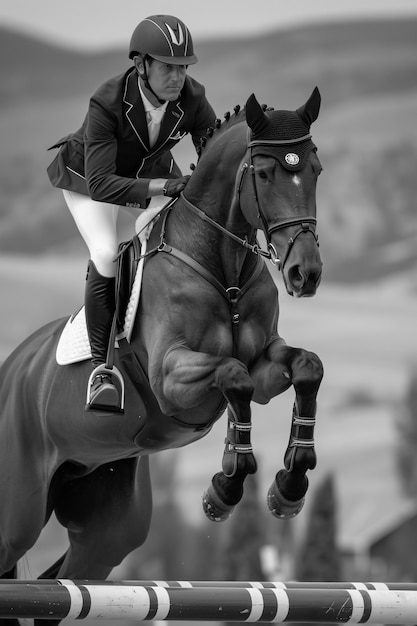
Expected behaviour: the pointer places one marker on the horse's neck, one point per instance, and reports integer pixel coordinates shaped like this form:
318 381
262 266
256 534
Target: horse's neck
235 257
212 189
212 247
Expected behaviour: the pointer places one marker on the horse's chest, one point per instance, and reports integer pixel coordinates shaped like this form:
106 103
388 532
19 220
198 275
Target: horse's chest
249 341
235 336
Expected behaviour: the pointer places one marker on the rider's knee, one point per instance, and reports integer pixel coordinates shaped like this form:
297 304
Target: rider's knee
103 258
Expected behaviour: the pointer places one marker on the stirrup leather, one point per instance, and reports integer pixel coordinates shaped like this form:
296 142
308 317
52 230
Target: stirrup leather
113 373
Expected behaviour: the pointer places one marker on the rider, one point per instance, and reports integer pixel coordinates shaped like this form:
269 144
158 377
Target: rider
120 157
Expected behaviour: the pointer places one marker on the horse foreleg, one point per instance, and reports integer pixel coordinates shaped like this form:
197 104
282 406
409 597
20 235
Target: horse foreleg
226 488
188 377
276 371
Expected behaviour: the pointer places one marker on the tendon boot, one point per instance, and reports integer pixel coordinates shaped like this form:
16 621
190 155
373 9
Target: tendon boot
103 394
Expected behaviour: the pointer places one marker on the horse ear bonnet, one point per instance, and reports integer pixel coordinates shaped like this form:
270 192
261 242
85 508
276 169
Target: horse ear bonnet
286 126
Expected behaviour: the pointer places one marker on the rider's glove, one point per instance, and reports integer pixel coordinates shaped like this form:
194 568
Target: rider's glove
174 186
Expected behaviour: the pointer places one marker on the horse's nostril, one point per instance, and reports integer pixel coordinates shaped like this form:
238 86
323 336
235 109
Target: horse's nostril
296 276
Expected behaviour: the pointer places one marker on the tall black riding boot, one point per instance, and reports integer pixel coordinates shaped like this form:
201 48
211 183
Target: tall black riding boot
99 311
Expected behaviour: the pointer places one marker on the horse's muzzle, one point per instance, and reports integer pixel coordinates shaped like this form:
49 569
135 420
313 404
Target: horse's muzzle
302 283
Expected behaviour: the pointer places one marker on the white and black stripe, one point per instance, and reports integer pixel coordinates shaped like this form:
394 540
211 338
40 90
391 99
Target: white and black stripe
275 602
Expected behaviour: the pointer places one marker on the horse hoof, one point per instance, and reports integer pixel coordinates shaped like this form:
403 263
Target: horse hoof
279 506
214 508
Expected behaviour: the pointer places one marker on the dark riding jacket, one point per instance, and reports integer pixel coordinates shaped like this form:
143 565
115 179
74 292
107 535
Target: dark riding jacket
109 157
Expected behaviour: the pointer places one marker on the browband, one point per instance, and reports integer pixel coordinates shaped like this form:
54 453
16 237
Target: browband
277 142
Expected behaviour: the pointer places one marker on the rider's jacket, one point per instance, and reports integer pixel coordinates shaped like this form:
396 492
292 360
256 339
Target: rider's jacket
109 157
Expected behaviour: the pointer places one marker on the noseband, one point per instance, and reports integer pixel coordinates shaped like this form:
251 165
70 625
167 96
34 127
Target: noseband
307 223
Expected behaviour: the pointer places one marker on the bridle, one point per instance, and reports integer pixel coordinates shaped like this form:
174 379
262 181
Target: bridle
307 223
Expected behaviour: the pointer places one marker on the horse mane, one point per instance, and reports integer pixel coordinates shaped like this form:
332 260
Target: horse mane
230 120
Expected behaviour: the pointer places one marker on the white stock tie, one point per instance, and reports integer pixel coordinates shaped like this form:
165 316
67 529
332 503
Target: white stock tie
154 117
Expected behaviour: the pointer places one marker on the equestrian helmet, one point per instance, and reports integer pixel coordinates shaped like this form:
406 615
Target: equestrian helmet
164 38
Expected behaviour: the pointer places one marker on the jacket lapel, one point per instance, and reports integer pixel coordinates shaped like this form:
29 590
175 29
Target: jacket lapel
135 111
172 119
135 114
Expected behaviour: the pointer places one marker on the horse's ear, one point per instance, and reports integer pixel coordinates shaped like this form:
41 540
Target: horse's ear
309 112
255 116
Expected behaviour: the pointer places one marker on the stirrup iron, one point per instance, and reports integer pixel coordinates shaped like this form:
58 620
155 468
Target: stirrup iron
114 373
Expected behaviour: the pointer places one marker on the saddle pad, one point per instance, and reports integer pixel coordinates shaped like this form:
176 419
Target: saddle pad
74 346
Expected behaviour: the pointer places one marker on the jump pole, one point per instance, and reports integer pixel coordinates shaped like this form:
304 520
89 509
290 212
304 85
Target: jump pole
274 603
403 586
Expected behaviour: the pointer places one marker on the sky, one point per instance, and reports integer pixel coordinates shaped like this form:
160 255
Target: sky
96 24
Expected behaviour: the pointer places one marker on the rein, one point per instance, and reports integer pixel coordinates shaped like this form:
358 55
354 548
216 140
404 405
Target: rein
243 242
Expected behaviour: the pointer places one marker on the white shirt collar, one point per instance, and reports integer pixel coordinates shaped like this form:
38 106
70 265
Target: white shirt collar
148 105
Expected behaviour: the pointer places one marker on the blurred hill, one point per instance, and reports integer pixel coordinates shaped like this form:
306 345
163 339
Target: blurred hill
366 133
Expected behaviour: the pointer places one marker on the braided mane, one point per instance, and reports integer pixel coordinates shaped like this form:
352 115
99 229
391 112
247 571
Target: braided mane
230 120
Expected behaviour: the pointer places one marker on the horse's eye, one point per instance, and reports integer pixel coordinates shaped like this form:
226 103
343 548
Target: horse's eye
262 175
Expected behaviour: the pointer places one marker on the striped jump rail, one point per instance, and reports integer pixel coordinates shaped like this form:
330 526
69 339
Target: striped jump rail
220 601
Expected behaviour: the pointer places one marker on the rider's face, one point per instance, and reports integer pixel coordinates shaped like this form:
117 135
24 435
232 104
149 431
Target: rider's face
165 79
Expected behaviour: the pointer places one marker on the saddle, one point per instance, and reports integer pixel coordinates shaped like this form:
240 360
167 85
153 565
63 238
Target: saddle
73 345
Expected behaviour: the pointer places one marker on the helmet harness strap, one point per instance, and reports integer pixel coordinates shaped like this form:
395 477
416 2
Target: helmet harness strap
144 76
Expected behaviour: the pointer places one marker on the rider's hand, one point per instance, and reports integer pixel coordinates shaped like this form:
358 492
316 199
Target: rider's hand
174 186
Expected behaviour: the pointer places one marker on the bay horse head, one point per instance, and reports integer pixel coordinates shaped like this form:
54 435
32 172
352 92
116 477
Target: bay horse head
284 167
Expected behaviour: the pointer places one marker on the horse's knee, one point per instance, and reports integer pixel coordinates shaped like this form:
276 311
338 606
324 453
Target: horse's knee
233 376
307 371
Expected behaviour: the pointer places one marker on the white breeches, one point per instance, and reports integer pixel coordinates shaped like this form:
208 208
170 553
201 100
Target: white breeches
97 223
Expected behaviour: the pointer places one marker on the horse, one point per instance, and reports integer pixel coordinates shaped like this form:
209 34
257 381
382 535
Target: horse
204 342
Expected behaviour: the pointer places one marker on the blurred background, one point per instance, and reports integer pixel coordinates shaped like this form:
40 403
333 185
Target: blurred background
360 520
